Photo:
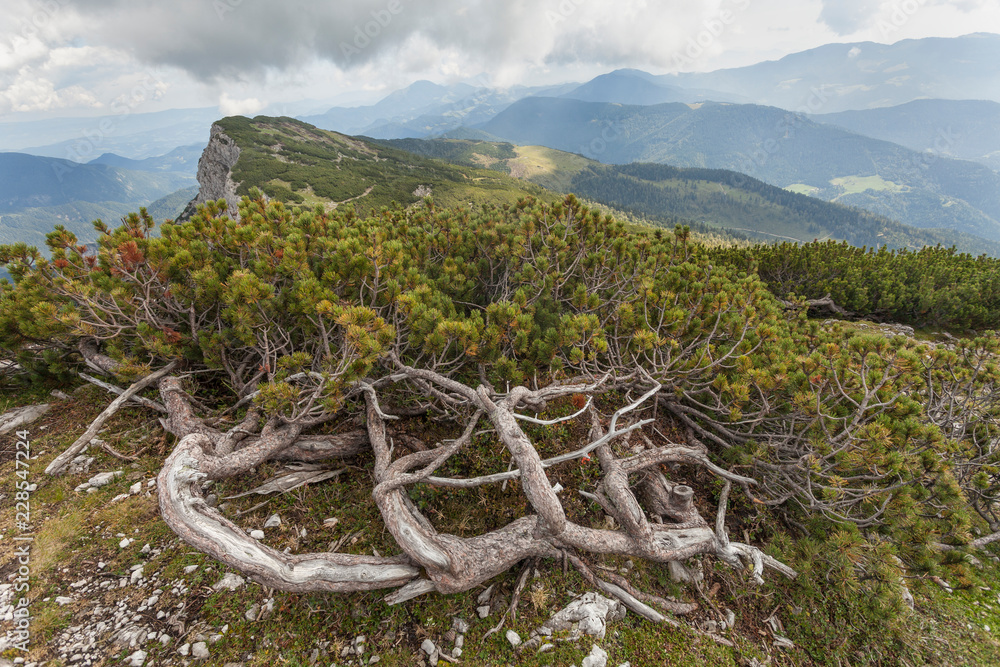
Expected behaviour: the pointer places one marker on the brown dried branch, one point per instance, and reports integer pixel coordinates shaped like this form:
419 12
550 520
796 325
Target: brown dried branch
59 464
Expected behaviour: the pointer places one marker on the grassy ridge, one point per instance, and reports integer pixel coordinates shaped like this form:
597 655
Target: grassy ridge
297 163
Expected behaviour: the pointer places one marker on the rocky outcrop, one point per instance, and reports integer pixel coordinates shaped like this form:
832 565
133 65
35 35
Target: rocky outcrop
215 174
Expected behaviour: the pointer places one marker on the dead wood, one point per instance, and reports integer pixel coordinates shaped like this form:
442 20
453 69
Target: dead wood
59 464
448 563
825 304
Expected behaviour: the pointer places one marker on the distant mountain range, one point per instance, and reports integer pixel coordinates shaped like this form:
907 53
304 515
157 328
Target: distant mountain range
704 198
872 138
864 75
776 146
824 80
302 165
827 79
966 129
632 86
425 109
37 193
133 135
30 181
182 160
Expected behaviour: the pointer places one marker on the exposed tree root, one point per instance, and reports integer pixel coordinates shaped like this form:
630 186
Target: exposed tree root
825 304
59 464
118 391
431 560
184 509
449 563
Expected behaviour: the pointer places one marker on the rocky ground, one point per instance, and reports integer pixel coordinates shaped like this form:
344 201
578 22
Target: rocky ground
110 584
144 617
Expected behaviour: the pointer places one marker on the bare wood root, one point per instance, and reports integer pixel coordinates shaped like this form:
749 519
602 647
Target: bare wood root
118 391
978 543
450 563
59 464
515 599
626 598
20 416
101 363
184 509
181 420
118 455
824 304
324 447
678 608
455 564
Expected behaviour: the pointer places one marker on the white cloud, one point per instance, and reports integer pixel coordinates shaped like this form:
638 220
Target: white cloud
18 51
30 92
255 50
848 16
83 56
247 38
239 107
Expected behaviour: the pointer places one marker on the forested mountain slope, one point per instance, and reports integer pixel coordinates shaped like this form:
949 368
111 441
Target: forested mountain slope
771 144
714 197
966 129
37 193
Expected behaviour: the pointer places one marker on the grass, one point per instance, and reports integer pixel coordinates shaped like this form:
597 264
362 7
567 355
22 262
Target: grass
304 166
853 184
547 167
832 614
802 189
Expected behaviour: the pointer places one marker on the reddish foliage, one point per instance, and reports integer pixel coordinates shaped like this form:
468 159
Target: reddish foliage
131 254
173 337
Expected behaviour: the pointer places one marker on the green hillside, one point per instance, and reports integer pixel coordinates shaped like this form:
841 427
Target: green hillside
771 144
297 163
966 129
31 225
171 206
739 203
30 181
712 198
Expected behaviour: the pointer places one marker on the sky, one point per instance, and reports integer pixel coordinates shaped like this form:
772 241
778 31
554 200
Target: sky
97 57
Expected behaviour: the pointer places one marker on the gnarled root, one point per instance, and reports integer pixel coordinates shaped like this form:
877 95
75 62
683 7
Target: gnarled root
434 561
184 509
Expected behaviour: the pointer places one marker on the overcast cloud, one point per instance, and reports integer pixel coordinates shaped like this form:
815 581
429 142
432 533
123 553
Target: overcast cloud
82 56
